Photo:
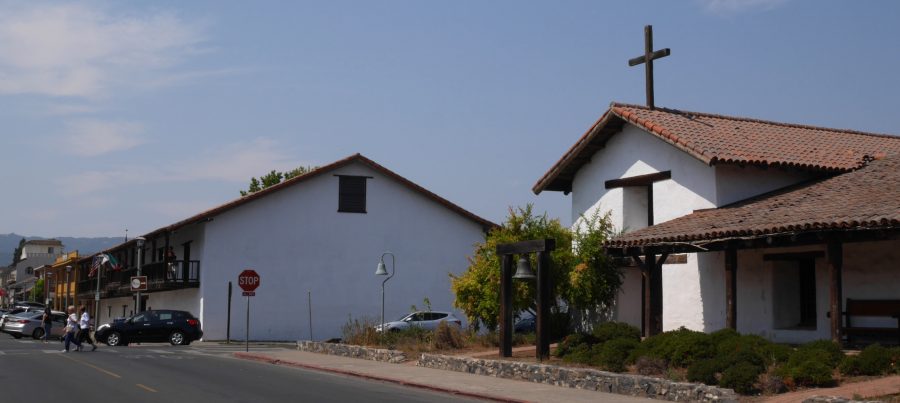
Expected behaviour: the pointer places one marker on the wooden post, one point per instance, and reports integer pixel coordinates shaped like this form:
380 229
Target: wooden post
543 306
835 258
506 294
731 287
653 307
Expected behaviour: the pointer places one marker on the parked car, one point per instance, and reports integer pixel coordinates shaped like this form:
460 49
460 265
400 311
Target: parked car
525 325
18 311
175 327
28 304
29 324
425 320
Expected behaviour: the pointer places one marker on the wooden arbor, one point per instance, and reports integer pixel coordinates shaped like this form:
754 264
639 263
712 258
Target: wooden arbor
542 247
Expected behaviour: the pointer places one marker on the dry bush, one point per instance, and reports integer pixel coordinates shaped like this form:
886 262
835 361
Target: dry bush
447 337
651 366
360 331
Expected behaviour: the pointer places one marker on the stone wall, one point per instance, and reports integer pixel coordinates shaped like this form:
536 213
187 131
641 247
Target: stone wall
589 379
346 350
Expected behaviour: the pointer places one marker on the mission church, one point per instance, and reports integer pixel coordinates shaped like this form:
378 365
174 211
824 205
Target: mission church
788 231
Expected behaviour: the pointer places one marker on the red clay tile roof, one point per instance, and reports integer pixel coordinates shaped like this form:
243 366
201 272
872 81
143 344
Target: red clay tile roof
717 139
868 198
208 214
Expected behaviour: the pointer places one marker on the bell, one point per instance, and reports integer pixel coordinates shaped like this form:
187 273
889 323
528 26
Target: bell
381 270
523 269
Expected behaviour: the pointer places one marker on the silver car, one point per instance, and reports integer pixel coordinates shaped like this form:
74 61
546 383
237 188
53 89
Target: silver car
29 324
425 320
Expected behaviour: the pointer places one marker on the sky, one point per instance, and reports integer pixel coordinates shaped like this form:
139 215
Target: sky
136 115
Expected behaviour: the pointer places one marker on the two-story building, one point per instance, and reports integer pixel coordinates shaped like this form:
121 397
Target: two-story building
315 241
33 254
651 166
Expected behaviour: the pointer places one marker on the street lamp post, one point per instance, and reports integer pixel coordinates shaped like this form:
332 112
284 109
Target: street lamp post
382 271
68 270
140 245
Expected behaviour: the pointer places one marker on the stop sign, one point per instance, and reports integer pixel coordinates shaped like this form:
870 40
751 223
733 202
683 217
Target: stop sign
248 280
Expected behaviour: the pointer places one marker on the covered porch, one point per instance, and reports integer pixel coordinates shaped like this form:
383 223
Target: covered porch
816 260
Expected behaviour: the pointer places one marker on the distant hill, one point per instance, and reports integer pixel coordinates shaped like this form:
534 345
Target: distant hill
85 246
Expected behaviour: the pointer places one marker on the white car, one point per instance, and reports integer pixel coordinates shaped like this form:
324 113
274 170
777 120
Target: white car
426 320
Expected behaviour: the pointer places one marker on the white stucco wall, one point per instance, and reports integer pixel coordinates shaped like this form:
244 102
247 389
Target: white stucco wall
298 242
870 272
692 293
183 300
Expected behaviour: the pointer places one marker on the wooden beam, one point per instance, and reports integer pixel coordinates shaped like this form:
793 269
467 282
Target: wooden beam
656 287
793 255
731 288
542 325
506 291
640 180
537 245
835 263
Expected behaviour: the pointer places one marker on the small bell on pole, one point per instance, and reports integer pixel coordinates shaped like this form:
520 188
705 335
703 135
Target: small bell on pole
523 269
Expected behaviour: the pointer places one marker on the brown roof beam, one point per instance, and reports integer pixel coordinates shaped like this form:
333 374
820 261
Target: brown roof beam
640 180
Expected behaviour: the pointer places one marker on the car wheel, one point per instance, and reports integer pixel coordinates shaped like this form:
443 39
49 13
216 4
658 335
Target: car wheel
115 339
38 333
177 338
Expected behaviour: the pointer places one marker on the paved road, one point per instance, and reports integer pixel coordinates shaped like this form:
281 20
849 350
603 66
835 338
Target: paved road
32 371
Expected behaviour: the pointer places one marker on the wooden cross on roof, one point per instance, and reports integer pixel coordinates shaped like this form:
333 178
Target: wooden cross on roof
647 59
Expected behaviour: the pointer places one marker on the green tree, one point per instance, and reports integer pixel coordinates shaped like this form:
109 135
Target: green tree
273 178
582 278
37 292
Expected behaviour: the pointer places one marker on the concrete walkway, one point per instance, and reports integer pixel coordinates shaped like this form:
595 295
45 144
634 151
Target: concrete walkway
469 385
876 387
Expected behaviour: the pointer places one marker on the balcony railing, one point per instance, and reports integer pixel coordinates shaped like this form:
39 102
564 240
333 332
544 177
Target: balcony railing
160 277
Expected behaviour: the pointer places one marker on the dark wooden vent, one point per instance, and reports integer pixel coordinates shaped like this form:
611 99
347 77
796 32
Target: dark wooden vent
352 194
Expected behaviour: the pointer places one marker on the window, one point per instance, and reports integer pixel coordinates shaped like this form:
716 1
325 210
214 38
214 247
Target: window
29 270
794 294
352 194
50 250
165 316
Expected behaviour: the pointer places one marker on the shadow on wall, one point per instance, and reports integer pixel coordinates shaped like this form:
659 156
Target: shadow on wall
712 289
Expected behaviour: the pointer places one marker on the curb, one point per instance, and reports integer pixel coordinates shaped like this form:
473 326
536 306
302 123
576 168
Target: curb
269 360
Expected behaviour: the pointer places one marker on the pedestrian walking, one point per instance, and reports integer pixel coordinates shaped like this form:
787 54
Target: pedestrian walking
46 322
84 334
71 329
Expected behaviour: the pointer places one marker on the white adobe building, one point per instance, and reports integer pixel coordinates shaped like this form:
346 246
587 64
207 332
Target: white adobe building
321 233
651 166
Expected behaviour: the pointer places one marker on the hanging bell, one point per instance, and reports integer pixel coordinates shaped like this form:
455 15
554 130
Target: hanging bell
523 269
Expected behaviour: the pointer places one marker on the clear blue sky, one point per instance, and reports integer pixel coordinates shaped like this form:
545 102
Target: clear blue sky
135 115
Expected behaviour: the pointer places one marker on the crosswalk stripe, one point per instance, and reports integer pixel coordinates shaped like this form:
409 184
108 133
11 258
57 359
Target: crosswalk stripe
2 353
51 351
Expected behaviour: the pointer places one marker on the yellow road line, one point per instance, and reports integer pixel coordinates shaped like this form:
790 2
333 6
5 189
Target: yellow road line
147 388
114 375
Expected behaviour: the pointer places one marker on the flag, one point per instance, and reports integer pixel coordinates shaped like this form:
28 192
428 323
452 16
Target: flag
95 265
113 263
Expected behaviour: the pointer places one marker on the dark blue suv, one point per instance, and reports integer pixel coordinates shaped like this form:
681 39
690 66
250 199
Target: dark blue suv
176 327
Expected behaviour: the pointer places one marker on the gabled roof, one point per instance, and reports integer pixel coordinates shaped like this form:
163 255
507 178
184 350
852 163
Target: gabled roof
717 139
208 214
868 198
48 242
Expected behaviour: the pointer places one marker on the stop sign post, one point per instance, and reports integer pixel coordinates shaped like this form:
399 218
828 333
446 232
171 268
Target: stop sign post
248 280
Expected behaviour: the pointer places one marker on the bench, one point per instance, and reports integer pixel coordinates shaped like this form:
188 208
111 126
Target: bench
871 308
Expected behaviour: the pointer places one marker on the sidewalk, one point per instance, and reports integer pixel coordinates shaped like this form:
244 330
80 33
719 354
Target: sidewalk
469 385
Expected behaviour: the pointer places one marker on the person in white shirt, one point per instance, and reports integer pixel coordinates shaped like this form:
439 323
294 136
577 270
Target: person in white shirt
84 335
71 329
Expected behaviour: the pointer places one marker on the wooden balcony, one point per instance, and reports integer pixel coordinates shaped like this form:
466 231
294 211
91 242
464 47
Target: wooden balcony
160 277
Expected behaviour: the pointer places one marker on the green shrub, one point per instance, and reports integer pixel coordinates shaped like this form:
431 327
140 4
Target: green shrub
812 373
873 360
581 354
826 350
719 336
703 371
745 348
776 353
571 341
616 330
895 359
741 377
680 348
613 354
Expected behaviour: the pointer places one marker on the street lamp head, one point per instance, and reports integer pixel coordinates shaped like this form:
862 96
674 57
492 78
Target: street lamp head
381 270
68 269
140 241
